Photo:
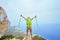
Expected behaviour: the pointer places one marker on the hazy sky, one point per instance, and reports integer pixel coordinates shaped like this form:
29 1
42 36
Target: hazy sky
47 11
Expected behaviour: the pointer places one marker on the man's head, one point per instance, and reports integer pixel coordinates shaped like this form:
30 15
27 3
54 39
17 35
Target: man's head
29 17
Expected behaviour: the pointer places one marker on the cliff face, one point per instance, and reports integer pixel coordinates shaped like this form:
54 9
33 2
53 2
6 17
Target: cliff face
4 22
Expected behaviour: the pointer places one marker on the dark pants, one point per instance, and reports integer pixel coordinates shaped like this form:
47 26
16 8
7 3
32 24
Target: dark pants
28 29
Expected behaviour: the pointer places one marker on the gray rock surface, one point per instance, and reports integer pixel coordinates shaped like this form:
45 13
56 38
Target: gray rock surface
15 32
4 22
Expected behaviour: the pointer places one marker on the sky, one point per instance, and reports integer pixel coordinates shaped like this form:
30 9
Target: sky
47 12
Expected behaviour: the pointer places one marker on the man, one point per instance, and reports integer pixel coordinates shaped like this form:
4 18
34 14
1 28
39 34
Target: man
28 23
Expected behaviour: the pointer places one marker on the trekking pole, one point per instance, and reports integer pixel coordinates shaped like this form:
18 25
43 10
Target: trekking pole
18 24
19 21
36 22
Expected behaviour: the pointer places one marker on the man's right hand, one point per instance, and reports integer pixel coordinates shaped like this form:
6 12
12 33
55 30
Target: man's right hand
21 15
35 16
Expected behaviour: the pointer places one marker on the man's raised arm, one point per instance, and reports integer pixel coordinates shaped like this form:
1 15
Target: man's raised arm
23 17
33 17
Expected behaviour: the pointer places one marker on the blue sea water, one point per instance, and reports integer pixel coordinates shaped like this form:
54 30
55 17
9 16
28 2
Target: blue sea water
48 31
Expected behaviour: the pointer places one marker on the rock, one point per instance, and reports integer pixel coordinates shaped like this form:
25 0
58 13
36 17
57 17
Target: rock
15 32
4 22
37 37
34 37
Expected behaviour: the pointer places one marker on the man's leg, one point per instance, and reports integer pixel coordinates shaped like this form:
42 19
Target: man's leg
26 32
31 32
